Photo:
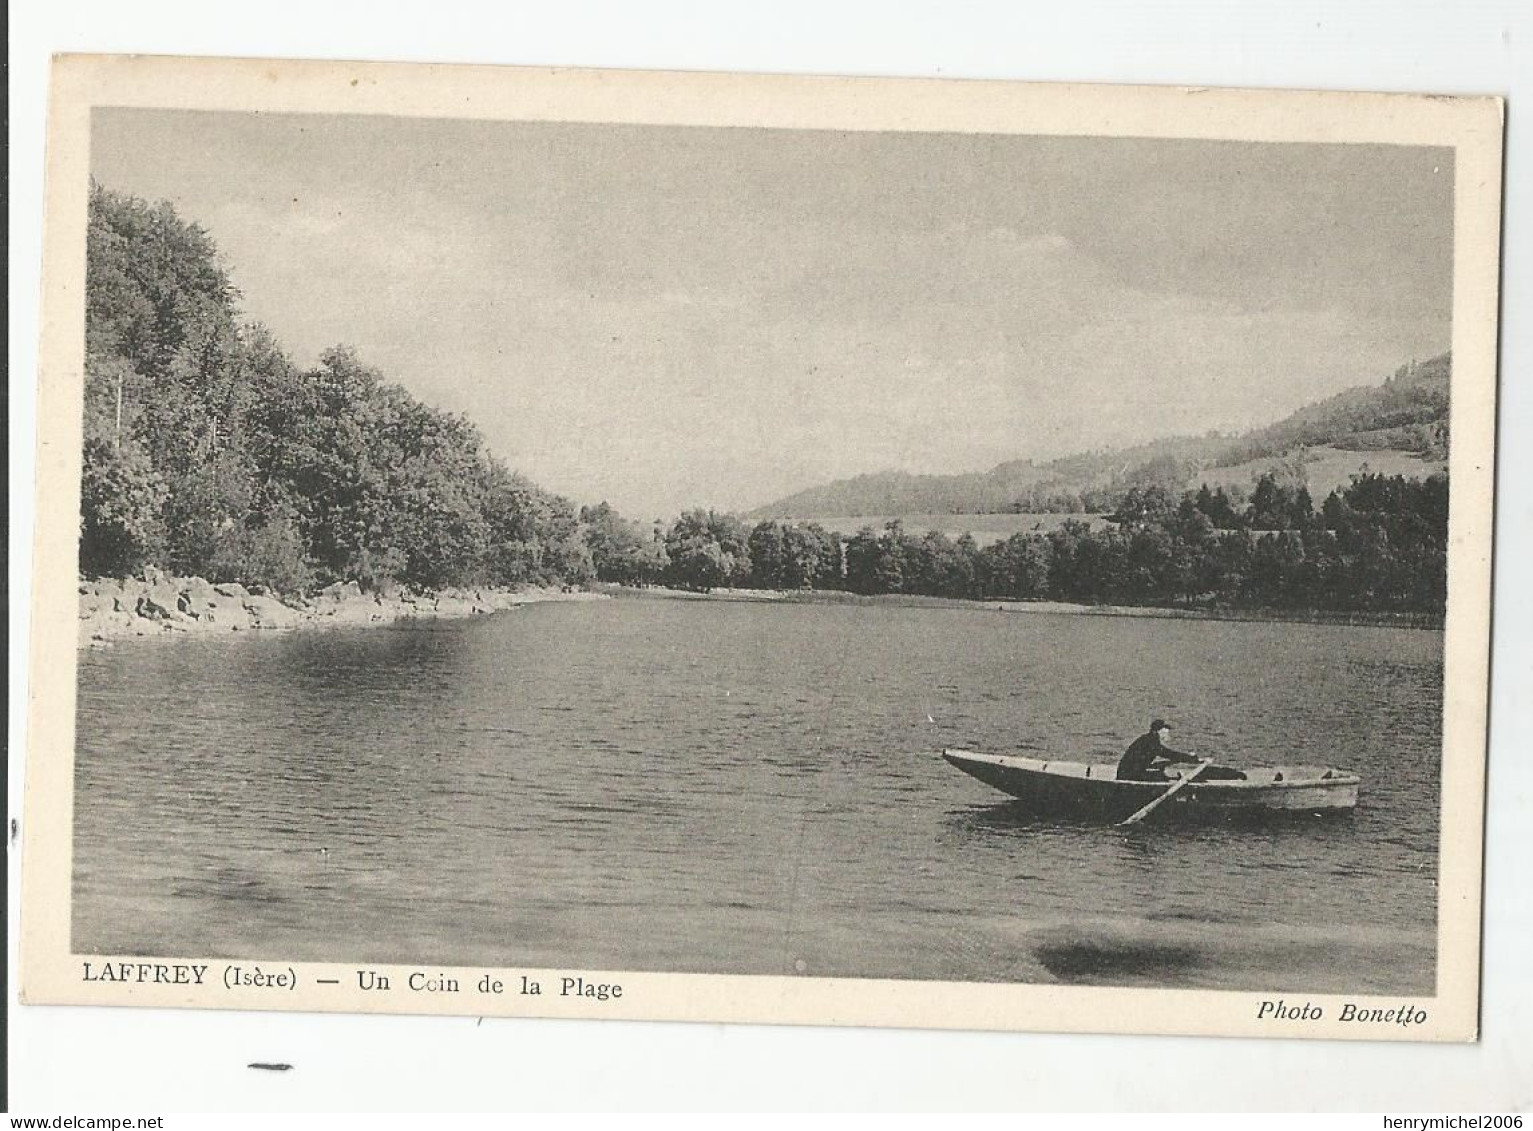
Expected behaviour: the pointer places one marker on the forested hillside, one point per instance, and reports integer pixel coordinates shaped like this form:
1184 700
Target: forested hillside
208 452
1406 415
1018 486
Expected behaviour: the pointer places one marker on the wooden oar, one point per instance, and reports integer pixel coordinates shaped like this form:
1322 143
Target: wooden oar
1185 779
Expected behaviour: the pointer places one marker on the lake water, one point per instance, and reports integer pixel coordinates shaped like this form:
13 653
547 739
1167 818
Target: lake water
740 787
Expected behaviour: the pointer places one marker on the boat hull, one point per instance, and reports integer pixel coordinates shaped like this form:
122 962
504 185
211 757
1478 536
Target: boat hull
1090 790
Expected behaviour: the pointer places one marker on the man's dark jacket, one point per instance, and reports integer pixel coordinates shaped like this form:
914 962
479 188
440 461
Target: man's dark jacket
1147 748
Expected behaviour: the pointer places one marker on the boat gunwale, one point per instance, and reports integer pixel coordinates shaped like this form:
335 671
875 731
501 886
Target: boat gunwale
1339 778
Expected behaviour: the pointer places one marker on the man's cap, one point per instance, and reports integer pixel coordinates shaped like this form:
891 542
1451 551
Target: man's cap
1160 724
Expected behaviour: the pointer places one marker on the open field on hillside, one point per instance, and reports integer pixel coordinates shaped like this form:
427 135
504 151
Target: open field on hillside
1326 469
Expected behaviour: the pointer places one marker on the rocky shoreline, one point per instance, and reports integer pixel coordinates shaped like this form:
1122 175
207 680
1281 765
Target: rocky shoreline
158 605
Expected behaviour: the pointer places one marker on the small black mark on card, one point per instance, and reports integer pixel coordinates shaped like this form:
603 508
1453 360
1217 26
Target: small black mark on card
264 1067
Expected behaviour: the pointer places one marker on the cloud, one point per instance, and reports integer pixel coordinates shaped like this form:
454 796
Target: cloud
1042 244
666 317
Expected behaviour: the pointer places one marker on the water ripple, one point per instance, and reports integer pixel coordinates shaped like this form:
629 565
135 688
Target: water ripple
742 787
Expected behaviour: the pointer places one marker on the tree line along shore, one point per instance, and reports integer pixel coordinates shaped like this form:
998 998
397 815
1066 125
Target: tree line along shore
218 470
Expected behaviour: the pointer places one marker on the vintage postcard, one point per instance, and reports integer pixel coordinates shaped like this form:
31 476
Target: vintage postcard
740 548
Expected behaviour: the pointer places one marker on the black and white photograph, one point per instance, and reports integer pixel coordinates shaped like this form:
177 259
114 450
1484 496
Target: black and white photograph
910 566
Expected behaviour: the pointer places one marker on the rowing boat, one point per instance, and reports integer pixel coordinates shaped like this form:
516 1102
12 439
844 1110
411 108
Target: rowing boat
1090 789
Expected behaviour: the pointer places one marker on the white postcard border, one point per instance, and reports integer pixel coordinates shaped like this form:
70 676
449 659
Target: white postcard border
1473 127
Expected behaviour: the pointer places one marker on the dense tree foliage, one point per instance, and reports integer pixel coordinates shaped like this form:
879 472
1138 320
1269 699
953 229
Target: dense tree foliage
794 556
1380 545
207 451
624 551
707 549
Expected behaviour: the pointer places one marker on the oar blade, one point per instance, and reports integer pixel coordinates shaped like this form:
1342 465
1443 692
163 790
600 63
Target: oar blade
1156 802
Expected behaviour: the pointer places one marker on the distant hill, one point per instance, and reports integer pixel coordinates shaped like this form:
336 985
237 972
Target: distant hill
1018 486
1407 413
1400 427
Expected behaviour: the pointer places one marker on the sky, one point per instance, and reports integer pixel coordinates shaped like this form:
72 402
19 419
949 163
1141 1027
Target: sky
667 317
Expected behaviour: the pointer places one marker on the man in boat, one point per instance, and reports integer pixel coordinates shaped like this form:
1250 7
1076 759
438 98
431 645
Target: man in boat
1149 756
